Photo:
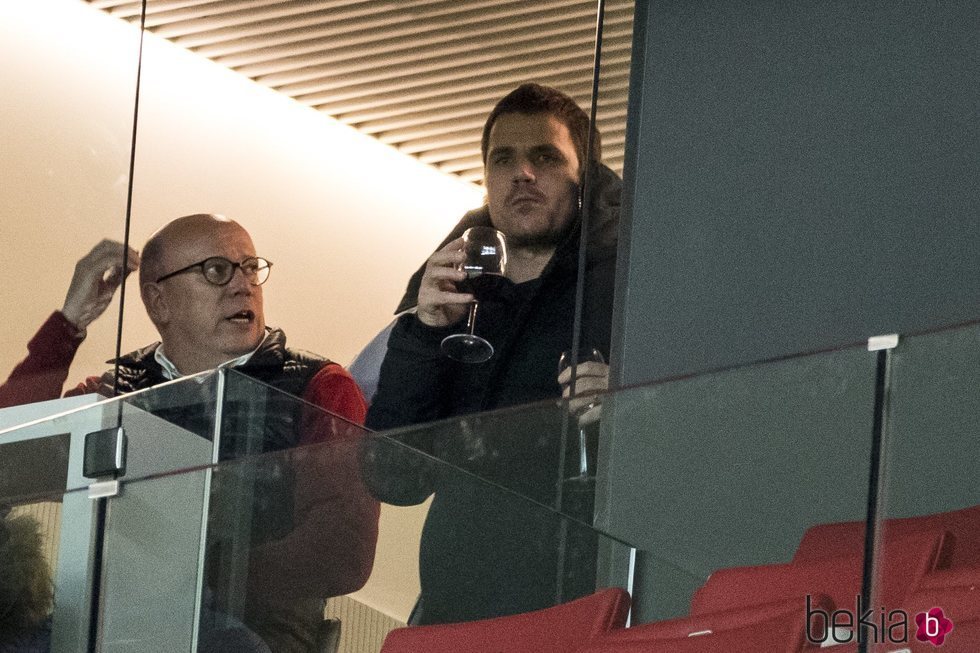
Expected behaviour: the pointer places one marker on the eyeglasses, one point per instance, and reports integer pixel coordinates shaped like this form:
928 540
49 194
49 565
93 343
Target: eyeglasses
219 270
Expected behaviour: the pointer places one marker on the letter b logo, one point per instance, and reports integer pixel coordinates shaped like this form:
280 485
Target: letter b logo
932 626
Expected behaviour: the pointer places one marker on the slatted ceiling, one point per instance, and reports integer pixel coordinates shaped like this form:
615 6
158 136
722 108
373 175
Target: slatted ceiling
425 132
376 69
383 66
199 17
310 55
388 24
175 22
337 49
336 37
385 105
375 124
461 89
449 83
471 165
451 155
420 75
443 83
432 129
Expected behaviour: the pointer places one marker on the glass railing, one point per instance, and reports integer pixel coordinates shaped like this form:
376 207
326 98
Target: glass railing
927 543
58 460
744 461
67 132
242 509
46 551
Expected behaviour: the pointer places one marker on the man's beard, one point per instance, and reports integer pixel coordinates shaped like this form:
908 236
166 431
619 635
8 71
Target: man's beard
543 241
536 242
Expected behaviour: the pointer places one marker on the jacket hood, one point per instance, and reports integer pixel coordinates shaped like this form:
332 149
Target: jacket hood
603 231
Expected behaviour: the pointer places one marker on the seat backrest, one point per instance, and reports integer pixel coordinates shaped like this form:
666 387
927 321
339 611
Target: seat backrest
957 591
846 538
559 629
905 562
781 629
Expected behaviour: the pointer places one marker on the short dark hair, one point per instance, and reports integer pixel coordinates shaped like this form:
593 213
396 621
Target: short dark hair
530 98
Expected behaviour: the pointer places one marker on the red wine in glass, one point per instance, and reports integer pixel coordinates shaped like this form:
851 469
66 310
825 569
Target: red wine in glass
485 262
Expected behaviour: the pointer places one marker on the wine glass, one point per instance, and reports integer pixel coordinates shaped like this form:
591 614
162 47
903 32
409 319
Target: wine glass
564 362
485 261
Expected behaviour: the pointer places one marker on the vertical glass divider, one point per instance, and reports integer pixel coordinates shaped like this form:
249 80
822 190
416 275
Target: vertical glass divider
205 506
875 476
584 203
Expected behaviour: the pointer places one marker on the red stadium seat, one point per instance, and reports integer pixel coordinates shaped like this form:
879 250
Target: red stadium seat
905 562
559 629
774 628
846 538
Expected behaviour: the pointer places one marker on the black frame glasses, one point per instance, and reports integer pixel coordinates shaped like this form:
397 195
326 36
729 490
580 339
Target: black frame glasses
219 270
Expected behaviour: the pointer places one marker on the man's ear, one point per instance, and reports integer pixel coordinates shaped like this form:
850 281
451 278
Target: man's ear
155 302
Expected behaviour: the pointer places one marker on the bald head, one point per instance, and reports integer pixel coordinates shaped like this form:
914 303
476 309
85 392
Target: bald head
201 324
172 235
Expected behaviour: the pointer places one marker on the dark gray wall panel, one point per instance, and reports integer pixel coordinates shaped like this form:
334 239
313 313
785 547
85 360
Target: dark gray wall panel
800 175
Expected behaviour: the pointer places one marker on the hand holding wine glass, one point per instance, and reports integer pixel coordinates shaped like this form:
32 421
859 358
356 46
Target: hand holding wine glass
591 377
439 302
484 261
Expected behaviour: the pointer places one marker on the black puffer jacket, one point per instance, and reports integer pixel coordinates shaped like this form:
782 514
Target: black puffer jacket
287 370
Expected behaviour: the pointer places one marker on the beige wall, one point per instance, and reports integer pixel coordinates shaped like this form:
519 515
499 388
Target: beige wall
344 218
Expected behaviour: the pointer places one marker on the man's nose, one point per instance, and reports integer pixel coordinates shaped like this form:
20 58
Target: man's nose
239 282
523 171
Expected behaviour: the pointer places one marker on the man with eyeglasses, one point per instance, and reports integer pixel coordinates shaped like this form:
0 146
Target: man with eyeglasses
201 284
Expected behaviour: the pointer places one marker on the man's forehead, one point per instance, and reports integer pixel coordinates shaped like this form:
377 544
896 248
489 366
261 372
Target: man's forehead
521 130
203 240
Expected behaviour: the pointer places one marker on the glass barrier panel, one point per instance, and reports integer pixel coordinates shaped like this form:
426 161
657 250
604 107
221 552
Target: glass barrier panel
532 450
68 80
583 354
56 445
46 577
927 542
717 477
748 462
373 110
252 547
614 77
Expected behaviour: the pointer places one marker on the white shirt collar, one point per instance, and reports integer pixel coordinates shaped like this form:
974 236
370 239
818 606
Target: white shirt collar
171 372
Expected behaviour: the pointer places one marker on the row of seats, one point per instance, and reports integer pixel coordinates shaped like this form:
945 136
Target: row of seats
925 562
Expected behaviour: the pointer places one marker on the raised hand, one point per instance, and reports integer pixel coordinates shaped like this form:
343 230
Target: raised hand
439 302
97 276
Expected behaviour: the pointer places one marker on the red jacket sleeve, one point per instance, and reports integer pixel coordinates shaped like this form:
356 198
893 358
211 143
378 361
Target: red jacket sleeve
335 391
39 377
330 550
